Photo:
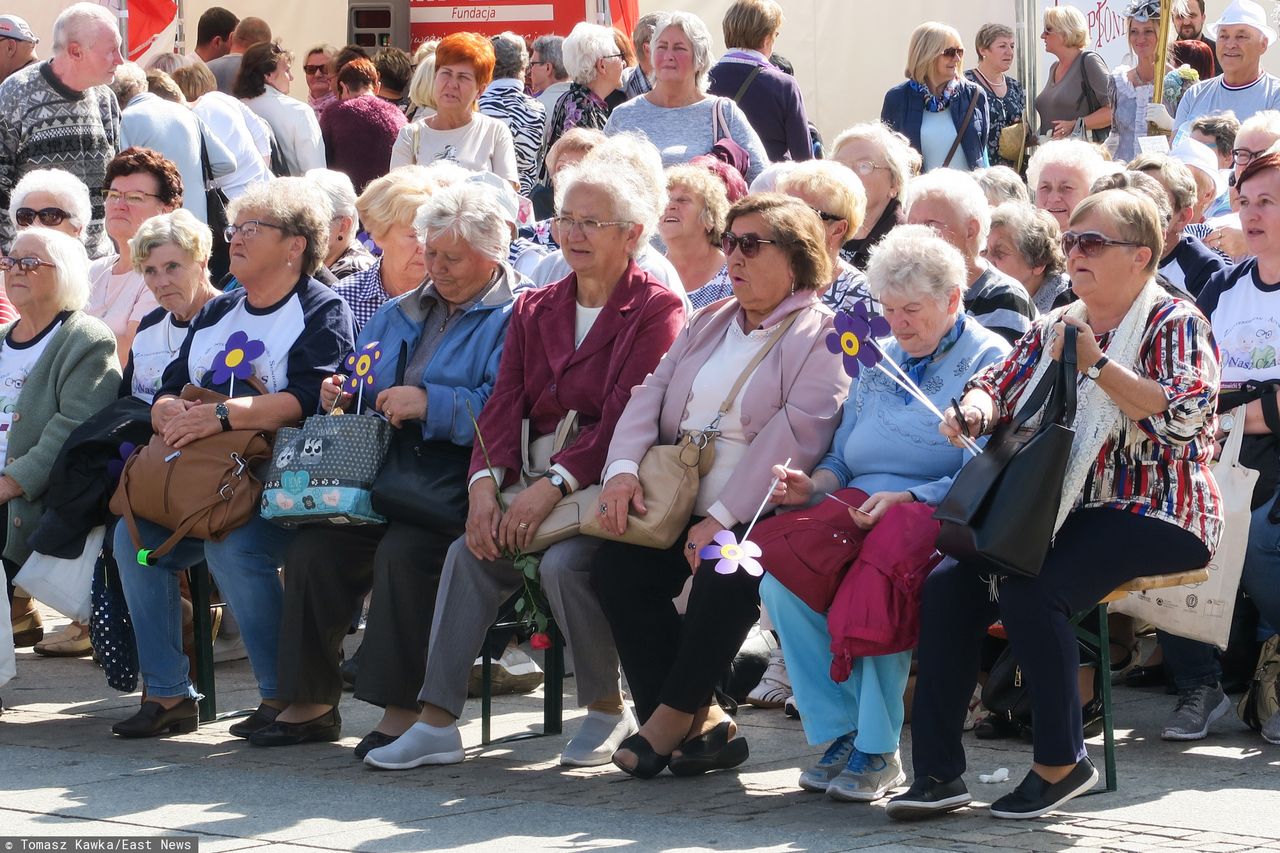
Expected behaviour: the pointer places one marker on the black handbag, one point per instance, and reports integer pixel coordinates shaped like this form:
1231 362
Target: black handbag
423 482
216 202
1002 506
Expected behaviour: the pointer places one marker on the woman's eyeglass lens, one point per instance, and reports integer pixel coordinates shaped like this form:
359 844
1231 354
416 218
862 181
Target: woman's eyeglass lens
1090 243
24 264
50 217
954 53
247 230
749 244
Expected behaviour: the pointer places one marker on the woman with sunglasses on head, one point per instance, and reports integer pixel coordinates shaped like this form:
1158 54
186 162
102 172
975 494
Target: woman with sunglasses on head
263 85
884 162
943 114
1076 99
1147 387
772 337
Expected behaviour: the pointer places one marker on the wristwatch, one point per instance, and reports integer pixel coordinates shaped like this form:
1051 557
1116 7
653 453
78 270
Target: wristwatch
1227 423
559 482
1094 371
224 416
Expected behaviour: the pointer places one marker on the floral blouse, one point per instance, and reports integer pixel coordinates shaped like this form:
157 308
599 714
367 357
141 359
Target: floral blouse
1003 112
1158 466
578 107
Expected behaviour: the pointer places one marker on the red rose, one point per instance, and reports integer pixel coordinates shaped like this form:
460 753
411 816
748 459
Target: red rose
540 641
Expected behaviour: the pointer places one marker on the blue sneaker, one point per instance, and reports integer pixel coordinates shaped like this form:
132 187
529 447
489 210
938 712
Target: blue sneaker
867 776
831 765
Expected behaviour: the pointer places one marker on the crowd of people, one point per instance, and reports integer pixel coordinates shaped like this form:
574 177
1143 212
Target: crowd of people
613 279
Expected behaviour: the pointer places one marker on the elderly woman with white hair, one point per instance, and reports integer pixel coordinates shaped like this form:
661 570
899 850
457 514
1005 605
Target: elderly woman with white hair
580 345
595 67
887 456
1025 244
885 163
450 331
58 367
51 198
1001 184
1060 174
678 116
346 255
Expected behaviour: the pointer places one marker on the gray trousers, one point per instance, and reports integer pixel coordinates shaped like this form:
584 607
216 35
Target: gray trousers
470 594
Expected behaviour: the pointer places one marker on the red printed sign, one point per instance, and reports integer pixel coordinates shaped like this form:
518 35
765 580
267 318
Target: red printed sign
530 18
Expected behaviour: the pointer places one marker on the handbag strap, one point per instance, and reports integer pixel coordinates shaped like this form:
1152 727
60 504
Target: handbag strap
1235 439
1049 390
746 84
717 123
749 369
964 126
564 431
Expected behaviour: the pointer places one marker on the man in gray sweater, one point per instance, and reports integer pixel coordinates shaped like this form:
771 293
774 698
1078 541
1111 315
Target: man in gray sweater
60 114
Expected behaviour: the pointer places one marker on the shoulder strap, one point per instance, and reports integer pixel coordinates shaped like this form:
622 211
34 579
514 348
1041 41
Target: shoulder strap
746 84
964 126
414 136
752 365
718 129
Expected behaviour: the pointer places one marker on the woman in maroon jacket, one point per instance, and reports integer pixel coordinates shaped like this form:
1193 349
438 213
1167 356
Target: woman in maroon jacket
360 129
581 345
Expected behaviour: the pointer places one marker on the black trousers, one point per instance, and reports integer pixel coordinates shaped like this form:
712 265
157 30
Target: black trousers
328 571
1095 551
669 659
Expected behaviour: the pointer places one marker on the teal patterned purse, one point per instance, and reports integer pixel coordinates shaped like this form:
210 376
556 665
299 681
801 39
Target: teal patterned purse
323 473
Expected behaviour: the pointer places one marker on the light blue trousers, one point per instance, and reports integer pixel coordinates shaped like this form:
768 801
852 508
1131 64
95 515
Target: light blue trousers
869 703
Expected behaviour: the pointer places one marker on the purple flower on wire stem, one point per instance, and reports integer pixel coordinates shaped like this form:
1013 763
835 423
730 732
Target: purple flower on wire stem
853 338
361 364
237 358
733 555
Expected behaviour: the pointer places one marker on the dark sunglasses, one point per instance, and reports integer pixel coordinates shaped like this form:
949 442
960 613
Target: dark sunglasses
749 244
1090 243
24 264
954 53
313 70
50 217
827 217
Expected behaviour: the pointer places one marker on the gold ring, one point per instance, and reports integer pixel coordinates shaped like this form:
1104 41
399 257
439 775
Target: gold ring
523 525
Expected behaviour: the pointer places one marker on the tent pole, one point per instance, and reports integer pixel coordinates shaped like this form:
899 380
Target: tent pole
123 15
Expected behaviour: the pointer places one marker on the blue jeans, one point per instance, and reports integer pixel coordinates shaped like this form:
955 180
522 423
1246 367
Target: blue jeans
245 565
1195 664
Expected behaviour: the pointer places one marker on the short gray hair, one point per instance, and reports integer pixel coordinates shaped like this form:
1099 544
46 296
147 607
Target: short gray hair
629 170
71 262
69 191
899 156
551 49
1172 174
914 262
470 211
302 209
341 192
129 82
957 189
586 45
1068 153
179 228
1001 184
1034 233
695 30
510 56
76 22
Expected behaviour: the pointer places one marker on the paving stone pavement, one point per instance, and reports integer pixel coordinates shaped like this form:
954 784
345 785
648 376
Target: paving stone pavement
63 773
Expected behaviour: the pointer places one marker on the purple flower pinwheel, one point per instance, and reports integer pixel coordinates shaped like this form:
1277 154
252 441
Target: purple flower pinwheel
733 555
361 364
854 336
237 358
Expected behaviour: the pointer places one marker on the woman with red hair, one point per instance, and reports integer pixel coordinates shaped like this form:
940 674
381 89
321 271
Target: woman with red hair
464 66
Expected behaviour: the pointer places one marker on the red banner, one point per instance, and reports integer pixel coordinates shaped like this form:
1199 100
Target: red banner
147 20
529 18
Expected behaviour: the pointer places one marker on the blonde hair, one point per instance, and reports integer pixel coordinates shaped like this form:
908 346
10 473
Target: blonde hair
1070 22
394 198
749 23
707 186
903 161
1135 216
179 228
928 41
421 87
845 195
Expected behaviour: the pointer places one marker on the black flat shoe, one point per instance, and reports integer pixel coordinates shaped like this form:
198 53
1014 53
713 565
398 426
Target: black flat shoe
648 762
326 727
1034 797
373 740
710 750
263 716
1146 676
928 797
154 719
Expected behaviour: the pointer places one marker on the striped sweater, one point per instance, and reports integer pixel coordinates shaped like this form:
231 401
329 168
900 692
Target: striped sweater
1158 466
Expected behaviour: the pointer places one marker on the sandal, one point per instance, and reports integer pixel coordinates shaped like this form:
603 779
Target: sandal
712 750
648 762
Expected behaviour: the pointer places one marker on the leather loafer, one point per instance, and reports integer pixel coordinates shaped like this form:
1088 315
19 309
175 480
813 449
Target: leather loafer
154 719
263 716
373 740
1035 797
326 727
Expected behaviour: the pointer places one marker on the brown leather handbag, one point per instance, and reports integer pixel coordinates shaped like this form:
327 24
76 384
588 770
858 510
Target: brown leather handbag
205 490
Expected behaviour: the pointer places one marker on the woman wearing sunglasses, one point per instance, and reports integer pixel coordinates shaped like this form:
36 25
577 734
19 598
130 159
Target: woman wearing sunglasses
57 368
773 336
1147 390
944 115
884 162
1076 99
51 198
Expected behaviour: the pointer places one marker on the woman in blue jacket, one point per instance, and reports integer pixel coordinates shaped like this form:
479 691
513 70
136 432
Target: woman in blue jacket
935 107
451 329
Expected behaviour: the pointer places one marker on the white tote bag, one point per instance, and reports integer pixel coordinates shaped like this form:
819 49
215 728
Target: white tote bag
8 664
64 585
1203 611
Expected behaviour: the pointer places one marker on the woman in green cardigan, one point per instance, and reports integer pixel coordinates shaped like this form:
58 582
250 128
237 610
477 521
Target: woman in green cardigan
57 367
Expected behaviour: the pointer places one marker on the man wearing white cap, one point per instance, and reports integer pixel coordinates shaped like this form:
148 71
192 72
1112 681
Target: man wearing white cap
17 45
1242 36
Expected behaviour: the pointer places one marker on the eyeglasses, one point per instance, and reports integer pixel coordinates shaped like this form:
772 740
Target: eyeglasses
827 217
749 244
1090 243
866 168
1243 156
24 264
614 56
247 230
954 53
313 70
131 197
588 227
50 217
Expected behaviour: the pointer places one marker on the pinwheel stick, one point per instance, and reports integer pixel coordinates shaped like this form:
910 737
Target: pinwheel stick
231 389
360 398
890 369
764 502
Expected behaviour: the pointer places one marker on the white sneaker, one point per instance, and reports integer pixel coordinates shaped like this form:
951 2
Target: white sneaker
598 738
775 685
421 744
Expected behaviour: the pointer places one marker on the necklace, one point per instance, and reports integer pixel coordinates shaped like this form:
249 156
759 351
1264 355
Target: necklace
990 85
